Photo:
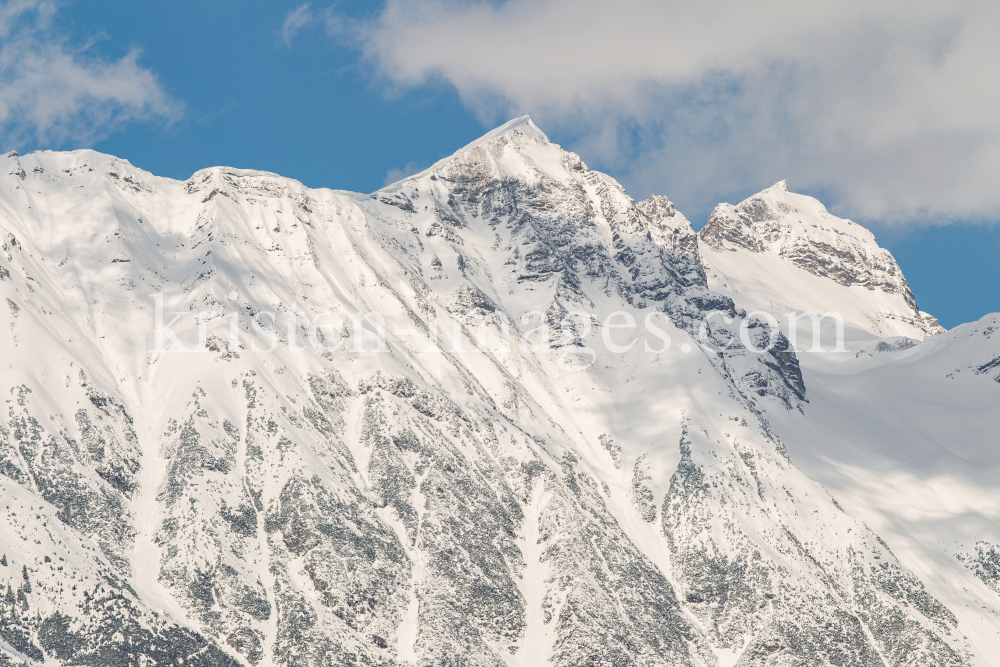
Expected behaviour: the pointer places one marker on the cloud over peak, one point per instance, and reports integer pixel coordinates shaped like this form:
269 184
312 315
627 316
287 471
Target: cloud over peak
892 108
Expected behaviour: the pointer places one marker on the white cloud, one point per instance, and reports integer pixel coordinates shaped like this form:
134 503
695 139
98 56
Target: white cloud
297 19
54 93
892 108
394 174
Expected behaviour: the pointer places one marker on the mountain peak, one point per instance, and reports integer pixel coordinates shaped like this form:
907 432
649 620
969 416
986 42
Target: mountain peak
516 148
779 237
522 123
776 217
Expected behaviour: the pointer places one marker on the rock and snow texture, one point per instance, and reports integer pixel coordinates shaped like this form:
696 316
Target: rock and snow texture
475 502
782 252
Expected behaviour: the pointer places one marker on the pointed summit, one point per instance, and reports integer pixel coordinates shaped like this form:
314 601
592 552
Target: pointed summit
523 124
515 149
520 127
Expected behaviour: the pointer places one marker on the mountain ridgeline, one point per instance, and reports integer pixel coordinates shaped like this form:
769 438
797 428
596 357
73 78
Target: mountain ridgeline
253 423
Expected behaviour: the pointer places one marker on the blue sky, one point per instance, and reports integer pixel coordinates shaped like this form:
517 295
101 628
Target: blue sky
309 112
366 90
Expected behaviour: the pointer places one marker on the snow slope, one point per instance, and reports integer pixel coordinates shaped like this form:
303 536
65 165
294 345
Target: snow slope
292 490
906 438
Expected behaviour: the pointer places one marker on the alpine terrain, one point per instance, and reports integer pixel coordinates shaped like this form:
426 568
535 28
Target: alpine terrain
497 413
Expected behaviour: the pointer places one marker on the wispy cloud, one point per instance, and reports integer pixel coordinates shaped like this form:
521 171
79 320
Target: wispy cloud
297 19
54 92
892 108
394 174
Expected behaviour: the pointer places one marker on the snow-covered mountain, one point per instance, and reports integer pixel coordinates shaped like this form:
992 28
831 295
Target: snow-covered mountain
348 443
781 252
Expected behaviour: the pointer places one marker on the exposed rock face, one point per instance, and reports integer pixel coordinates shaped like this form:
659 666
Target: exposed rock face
802 233
841 251
669 228
358 495
762 595
65 602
